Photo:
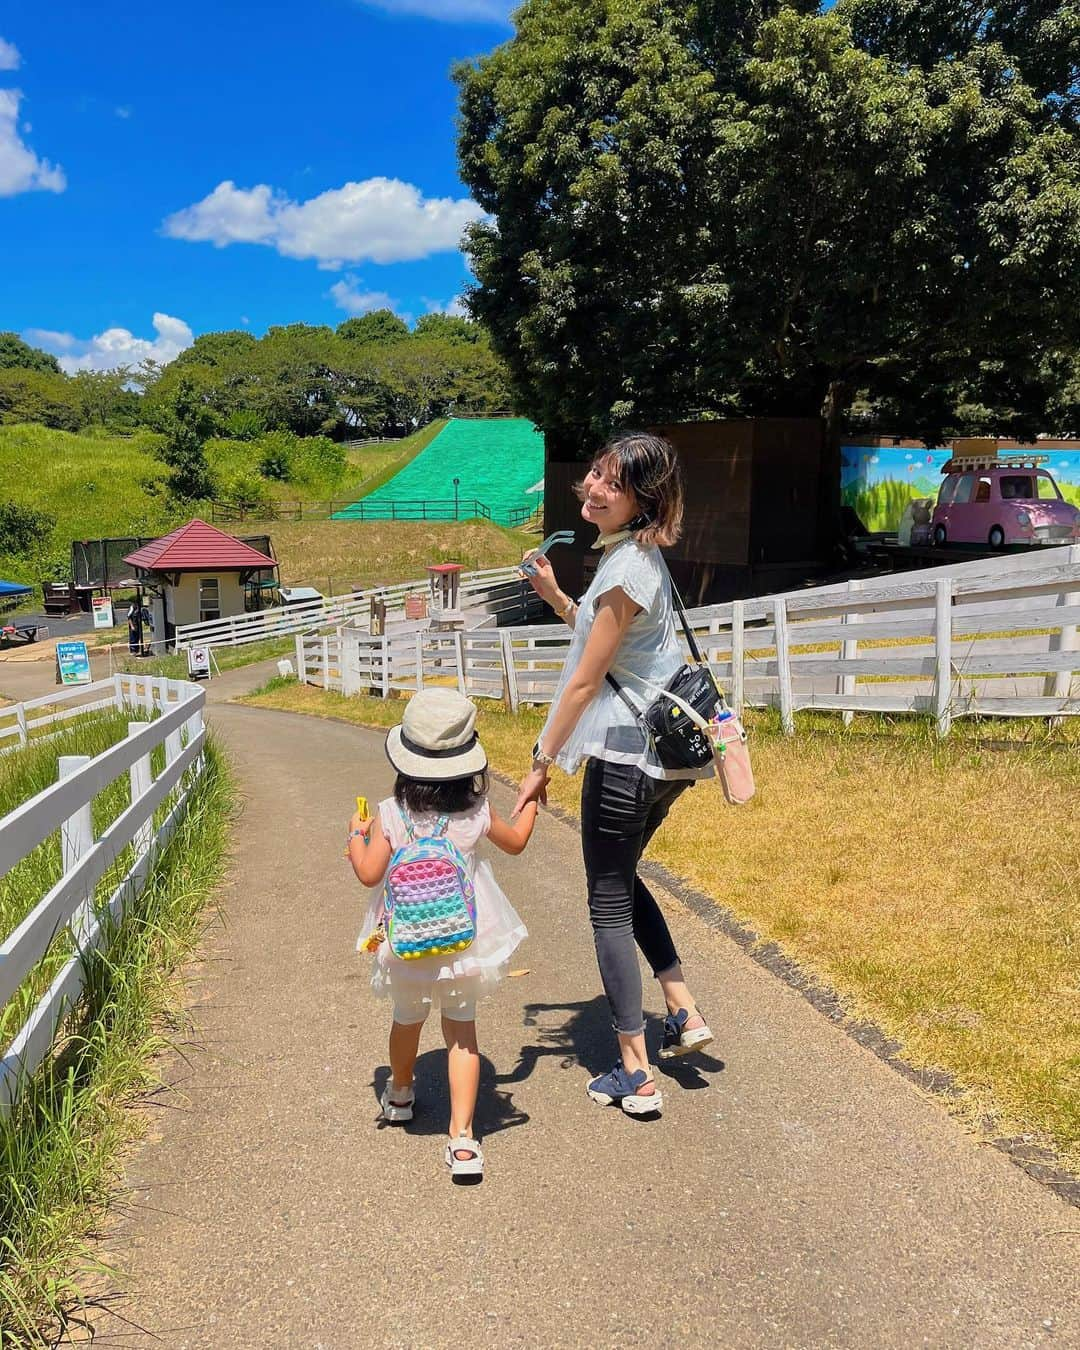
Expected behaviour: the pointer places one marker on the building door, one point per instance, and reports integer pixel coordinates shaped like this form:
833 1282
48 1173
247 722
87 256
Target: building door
209 599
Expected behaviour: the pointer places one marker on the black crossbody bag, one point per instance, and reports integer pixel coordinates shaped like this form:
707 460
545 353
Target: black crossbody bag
681 740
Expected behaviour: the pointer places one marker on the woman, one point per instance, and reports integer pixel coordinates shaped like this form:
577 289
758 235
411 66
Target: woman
624 625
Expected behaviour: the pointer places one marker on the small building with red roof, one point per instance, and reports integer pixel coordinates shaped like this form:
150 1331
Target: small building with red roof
198 573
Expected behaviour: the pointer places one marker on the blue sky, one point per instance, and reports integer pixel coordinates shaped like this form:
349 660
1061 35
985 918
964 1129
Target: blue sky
167 172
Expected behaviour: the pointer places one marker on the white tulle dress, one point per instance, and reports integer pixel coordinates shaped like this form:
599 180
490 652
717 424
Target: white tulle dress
499 929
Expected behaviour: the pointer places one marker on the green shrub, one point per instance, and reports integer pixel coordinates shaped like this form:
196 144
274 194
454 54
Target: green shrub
23 528
276 452
244 424
319 459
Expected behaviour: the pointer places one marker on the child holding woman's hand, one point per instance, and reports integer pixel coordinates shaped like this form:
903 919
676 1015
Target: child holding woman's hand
441 792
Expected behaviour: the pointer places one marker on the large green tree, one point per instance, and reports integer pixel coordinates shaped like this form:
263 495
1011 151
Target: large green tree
15 354
759 208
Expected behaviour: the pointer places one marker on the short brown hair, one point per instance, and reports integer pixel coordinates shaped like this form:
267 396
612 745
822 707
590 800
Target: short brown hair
647 466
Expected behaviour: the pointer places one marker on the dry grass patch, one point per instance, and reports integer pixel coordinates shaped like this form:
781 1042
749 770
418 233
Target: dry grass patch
336 554
934 886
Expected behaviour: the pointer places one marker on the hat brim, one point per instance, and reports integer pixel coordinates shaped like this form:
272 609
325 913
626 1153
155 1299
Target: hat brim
434 768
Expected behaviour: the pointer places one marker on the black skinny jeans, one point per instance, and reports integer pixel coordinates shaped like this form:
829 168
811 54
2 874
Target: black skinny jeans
621 810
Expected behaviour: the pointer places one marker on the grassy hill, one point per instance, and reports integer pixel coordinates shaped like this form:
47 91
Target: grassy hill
96 486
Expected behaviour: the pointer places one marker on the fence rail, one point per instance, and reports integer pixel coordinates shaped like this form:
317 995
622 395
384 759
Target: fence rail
69 907
499 588
374 508
990 638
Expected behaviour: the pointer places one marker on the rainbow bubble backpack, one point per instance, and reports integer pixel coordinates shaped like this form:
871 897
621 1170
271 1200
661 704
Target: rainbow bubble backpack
428 896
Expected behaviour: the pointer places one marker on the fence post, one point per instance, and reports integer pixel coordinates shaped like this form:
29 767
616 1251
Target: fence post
738 656
1059 683
301 662
385 644
76 837
173 743
783 667
943 655
510 684
459 653
20 722
849 650
420 660
326 662
141 780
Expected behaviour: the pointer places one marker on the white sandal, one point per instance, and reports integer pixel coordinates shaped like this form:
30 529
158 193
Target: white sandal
397 1113
473 1166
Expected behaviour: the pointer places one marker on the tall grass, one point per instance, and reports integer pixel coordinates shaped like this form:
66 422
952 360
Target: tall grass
60 1146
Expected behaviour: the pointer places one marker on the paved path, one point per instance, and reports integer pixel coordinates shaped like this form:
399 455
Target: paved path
796 1193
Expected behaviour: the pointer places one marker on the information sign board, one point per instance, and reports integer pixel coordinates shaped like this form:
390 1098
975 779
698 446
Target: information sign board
72 663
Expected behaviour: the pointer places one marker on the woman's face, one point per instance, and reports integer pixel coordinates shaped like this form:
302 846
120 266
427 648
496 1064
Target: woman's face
606 505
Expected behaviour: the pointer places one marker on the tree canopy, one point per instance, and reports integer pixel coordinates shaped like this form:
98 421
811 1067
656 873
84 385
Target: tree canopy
15 354
753 207
370 377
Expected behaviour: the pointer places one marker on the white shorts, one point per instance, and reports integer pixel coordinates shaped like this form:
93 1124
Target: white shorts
456 1001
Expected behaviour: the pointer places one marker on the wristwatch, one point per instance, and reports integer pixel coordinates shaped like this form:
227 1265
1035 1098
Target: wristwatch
540 756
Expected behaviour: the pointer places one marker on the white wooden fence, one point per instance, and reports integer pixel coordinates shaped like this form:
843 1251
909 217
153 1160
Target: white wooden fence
992 638
499 589
69 906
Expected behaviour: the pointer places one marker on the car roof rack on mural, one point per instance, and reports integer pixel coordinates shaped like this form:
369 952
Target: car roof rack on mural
977 463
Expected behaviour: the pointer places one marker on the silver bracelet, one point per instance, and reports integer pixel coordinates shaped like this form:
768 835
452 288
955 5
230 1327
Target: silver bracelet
541 757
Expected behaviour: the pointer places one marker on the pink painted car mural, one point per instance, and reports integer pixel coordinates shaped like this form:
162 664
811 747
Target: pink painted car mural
1001 500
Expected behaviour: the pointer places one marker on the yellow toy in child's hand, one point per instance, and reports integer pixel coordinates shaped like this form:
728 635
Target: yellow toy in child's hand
375 939
362 808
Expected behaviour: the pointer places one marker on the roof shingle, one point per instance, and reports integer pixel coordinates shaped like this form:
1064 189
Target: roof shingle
197 547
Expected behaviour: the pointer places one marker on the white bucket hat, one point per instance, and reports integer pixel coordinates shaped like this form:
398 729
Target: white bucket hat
437 738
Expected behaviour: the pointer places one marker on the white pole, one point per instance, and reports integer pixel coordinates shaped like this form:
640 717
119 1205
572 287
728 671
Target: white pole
76 837
943 655
783 664
849 649
738 656
141 780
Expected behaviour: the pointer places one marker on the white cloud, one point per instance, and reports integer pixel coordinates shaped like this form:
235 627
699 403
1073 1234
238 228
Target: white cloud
115 346
349 297
20 169
450 11
454 308
9 56
381 220
123 112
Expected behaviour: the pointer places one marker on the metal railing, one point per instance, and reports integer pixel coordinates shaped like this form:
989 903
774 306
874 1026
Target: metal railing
374 508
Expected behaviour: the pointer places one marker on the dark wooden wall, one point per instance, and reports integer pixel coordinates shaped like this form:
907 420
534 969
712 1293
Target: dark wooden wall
753 519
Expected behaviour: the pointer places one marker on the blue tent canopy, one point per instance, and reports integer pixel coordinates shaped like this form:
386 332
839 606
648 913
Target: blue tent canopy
14 588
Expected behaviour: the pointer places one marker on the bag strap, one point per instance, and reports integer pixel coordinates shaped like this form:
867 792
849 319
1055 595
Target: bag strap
410 832
691 641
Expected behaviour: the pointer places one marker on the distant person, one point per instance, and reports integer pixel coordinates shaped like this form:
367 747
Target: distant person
625 625
139 623
440 806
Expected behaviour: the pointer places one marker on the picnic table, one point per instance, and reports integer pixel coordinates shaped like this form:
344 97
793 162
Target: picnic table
19 634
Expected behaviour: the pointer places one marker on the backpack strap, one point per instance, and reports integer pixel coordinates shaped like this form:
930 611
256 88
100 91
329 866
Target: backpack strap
410 832
441 827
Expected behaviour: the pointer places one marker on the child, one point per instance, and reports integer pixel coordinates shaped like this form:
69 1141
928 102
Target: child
441 773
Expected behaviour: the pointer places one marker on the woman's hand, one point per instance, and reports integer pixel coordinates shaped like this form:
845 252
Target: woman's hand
543 582
533 789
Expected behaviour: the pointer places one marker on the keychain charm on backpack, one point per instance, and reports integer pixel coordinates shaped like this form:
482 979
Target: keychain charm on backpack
428 897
